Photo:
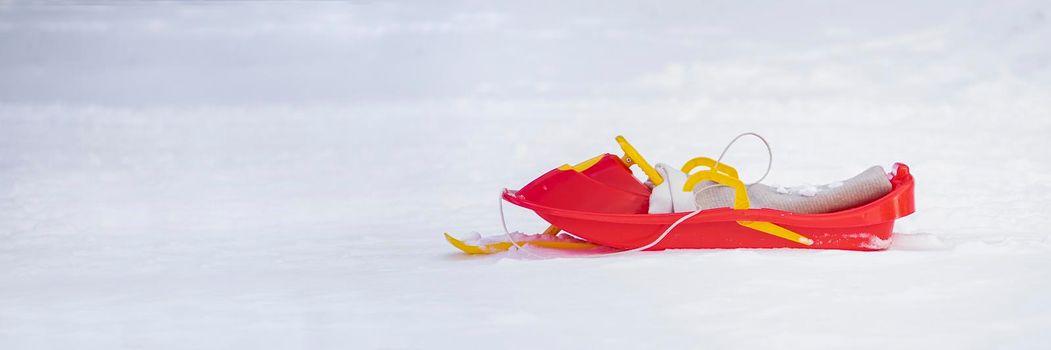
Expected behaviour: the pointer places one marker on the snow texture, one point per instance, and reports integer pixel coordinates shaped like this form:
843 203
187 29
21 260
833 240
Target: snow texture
277 175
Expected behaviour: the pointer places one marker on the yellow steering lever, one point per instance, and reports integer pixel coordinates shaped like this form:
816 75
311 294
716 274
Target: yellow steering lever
632 156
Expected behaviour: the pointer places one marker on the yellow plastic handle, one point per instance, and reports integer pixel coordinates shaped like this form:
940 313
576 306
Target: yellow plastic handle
740 194
741 203
632 156
710 163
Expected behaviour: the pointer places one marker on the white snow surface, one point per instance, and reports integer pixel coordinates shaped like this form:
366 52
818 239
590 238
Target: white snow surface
278 175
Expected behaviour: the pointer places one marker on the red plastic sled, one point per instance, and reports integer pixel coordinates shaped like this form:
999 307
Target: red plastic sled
605 204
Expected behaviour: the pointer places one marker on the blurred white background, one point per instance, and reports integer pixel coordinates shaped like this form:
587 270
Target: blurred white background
278 174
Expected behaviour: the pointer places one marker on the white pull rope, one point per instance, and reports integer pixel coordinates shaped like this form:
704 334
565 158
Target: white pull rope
769 154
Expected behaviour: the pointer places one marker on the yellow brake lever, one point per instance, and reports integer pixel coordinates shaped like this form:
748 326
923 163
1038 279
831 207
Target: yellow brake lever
632 156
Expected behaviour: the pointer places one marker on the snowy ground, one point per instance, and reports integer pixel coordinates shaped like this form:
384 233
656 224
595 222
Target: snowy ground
277 175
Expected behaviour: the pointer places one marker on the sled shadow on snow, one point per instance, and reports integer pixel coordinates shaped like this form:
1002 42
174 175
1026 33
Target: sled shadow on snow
901 242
